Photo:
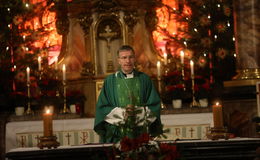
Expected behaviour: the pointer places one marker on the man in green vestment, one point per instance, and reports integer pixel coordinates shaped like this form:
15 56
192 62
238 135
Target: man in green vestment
118 92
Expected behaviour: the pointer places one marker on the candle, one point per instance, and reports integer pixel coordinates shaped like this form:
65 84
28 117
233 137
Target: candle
158 68
217 115
39 63
47 123
182 57
191 67
56 63
64 72
165 58
28 74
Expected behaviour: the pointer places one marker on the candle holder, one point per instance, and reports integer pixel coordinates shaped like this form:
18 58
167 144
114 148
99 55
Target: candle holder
218 133
182 74
48 142
29 110
194 102
65 109
160 90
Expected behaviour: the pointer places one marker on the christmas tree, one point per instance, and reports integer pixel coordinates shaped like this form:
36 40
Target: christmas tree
25 35
203 30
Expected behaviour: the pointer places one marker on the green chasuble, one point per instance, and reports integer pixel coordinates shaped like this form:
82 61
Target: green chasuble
144 92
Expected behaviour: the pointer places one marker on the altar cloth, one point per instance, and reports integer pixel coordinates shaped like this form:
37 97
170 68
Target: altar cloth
80 131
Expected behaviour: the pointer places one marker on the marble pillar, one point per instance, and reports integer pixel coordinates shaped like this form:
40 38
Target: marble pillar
247 34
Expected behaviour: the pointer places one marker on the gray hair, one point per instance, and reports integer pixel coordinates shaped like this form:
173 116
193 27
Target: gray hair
125 48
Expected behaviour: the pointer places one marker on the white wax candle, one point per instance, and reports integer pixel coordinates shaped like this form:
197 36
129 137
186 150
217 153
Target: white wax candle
39 63
182 57
191 67
158 68
56 63
165 58
64 72
28 74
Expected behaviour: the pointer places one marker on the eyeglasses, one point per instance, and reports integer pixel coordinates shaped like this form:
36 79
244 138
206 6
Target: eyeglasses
127 57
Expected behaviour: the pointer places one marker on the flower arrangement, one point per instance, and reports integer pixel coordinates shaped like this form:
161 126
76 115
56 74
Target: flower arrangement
136 142
174 87
75 96
201 88
175 84
143 147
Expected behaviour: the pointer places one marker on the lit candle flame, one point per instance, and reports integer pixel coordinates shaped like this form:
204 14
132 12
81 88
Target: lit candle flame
48 111
217 103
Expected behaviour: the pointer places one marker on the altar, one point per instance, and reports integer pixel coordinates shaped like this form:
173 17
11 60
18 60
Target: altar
237 148
71 132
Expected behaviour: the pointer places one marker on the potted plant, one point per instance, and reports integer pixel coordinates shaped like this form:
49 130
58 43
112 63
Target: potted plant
202 89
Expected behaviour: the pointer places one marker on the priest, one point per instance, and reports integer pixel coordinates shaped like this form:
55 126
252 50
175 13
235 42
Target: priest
121 91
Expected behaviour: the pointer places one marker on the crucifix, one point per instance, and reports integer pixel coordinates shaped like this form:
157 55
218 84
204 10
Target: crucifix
108 35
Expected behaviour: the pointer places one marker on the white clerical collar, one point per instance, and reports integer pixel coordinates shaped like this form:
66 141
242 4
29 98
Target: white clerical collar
130 75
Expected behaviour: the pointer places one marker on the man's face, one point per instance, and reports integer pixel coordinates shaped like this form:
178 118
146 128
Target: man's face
126 60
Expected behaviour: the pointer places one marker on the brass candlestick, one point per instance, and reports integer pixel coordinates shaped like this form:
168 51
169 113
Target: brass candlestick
65 109
160 90
194 102
182 74
48 141
218 133
29 110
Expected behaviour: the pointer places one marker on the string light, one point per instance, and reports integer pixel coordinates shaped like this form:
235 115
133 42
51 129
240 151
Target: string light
195 29
26 5
205 55
187 18
215 36
209 17
27 49
185 43
9 25
228 24
204 6
233 39
174 9
7 48
218 5
8 9
235 55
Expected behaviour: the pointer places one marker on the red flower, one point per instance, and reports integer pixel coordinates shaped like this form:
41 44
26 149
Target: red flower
170 151
143 138
126 144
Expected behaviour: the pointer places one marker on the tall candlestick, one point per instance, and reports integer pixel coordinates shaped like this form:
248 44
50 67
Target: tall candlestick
217 115
28 74
39 63
56 63
158 69
165 58
191 67
47 123
182 57
63 72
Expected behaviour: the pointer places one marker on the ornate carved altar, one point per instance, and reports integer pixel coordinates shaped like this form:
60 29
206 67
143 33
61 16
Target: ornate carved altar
94 30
